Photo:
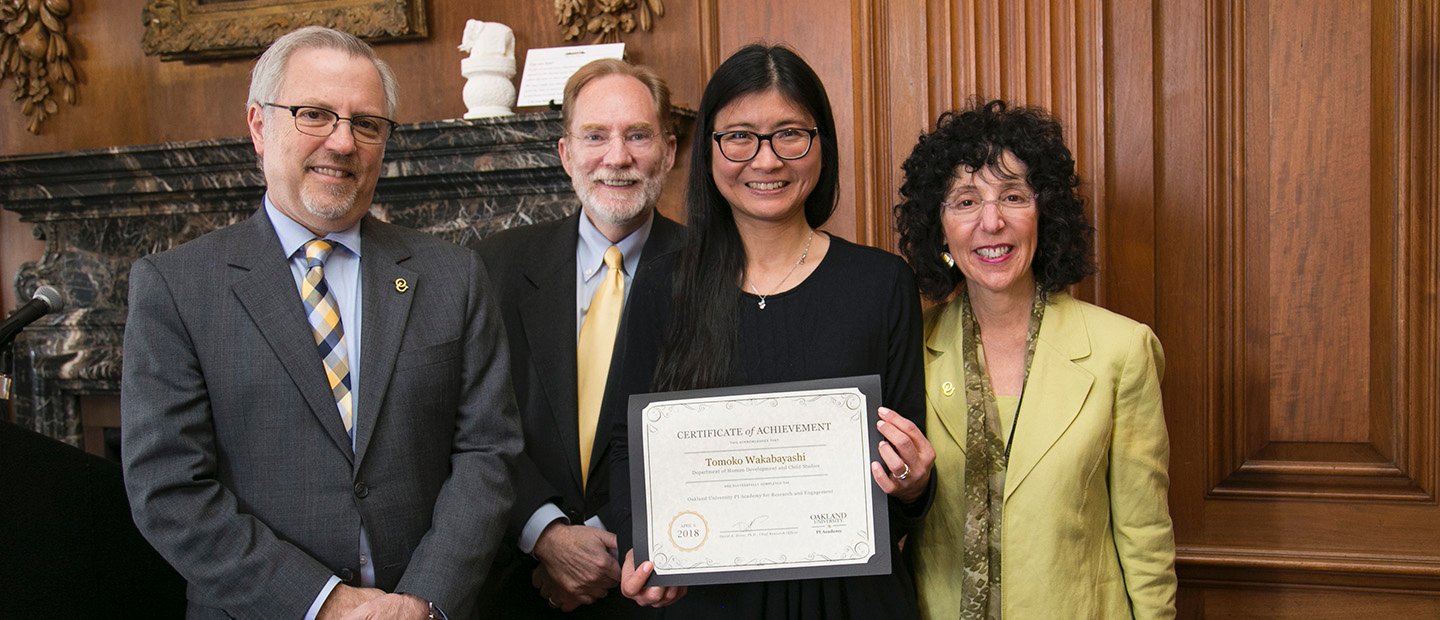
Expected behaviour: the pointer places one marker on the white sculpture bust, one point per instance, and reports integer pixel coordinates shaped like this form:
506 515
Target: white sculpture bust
491 65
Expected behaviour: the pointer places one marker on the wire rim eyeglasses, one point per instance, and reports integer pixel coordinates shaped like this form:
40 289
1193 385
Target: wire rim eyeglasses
637 139
968 208
320 122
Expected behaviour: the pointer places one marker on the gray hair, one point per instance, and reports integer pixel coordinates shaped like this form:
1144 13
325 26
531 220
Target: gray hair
269 71
659 91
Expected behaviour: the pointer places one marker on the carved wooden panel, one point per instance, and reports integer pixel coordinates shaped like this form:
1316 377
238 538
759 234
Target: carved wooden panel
1295 283
1308 225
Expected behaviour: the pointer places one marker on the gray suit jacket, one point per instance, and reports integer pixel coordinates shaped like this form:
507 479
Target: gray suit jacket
534 271
236 463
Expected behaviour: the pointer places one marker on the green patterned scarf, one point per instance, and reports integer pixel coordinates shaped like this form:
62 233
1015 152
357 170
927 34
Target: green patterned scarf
986 457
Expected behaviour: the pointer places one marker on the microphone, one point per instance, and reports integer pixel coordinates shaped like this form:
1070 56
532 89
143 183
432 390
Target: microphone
45 301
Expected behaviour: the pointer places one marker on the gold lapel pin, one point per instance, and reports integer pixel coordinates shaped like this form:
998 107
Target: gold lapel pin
401 285
948 388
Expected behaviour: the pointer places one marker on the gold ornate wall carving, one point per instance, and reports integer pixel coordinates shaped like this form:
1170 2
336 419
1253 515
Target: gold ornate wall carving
35 52
606 19
193 30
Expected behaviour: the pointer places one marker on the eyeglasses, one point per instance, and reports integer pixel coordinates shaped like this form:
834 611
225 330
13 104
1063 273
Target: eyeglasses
969 207
598 140
743 146
319 122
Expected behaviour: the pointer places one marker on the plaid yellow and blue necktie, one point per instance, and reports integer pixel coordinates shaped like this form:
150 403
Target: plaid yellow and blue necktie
324 318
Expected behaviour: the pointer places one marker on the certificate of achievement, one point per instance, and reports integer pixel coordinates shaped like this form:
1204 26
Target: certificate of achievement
758 483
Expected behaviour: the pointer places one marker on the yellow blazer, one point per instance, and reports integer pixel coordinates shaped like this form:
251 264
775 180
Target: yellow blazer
1087 527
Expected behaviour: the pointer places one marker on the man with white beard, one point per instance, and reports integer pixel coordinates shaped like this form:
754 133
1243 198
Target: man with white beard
562 287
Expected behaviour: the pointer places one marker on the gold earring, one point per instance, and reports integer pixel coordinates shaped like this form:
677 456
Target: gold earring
947 259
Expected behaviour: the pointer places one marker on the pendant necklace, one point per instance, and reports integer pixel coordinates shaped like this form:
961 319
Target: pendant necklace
803 253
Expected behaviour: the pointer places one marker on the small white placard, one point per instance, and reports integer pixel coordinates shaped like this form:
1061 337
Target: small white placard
547 69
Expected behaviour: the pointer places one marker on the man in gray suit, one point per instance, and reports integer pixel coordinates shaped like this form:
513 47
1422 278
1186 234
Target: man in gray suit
618 146
278 474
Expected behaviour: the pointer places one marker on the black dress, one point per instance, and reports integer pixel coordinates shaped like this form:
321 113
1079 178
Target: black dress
857 314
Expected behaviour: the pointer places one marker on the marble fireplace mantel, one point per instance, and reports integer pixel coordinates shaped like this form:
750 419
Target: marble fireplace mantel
97 211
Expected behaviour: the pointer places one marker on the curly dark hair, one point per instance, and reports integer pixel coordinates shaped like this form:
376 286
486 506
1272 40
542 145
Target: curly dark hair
976 137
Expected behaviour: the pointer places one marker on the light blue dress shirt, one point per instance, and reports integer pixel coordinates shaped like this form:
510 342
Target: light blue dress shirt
342 275
590 262
589 269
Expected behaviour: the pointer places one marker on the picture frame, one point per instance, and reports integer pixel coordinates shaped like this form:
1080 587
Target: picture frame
203 30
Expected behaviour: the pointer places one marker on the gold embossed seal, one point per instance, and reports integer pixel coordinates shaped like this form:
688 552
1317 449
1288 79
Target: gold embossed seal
689 531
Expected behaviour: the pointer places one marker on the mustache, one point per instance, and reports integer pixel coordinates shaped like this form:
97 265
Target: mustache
630 176
333 160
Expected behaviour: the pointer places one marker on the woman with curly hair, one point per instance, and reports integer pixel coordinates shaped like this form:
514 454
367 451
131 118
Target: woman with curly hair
1044 411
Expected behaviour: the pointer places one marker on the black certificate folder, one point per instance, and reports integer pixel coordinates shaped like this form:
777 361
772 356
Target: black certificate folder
759 483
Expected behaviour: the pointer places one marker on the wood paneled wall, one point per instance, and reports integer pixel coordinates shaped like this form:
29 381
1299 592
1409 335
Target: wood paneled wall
1262 174
1299 186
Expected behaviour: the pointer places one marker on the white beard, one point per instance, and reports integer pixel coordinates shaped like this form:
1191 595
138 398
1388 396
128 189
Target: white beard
331 203
619 212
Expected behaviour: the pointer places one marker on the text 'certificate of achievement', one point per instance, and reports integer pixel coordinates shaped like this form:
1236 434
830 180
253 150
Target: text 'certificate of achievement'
758 483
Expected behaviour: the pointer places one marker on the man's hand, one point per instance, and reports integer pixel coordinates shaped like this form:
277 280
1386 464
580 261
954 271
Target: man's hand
577 565
343 599
391 606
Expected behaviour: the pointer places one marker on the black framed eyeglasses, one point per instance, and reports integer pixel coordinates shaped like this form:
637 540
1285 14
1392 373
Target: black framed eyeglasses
320 122
788 143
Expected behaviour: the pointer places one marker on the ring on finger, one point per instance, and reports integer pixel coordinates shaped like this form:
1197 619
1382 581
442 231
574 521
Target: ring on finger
904 474
552 602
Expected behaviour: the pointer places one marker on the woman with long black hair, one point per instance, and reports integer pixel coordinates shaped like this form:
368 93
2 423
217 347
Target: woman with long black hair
758 295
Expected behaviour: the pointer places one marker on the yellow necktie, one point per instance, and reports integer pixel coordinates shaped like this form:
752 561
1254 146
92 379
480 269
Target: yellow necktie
597 342
324 318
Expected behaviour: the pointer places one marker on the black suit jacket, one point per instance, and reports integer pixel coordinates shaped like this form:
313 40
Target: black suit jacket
533 268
